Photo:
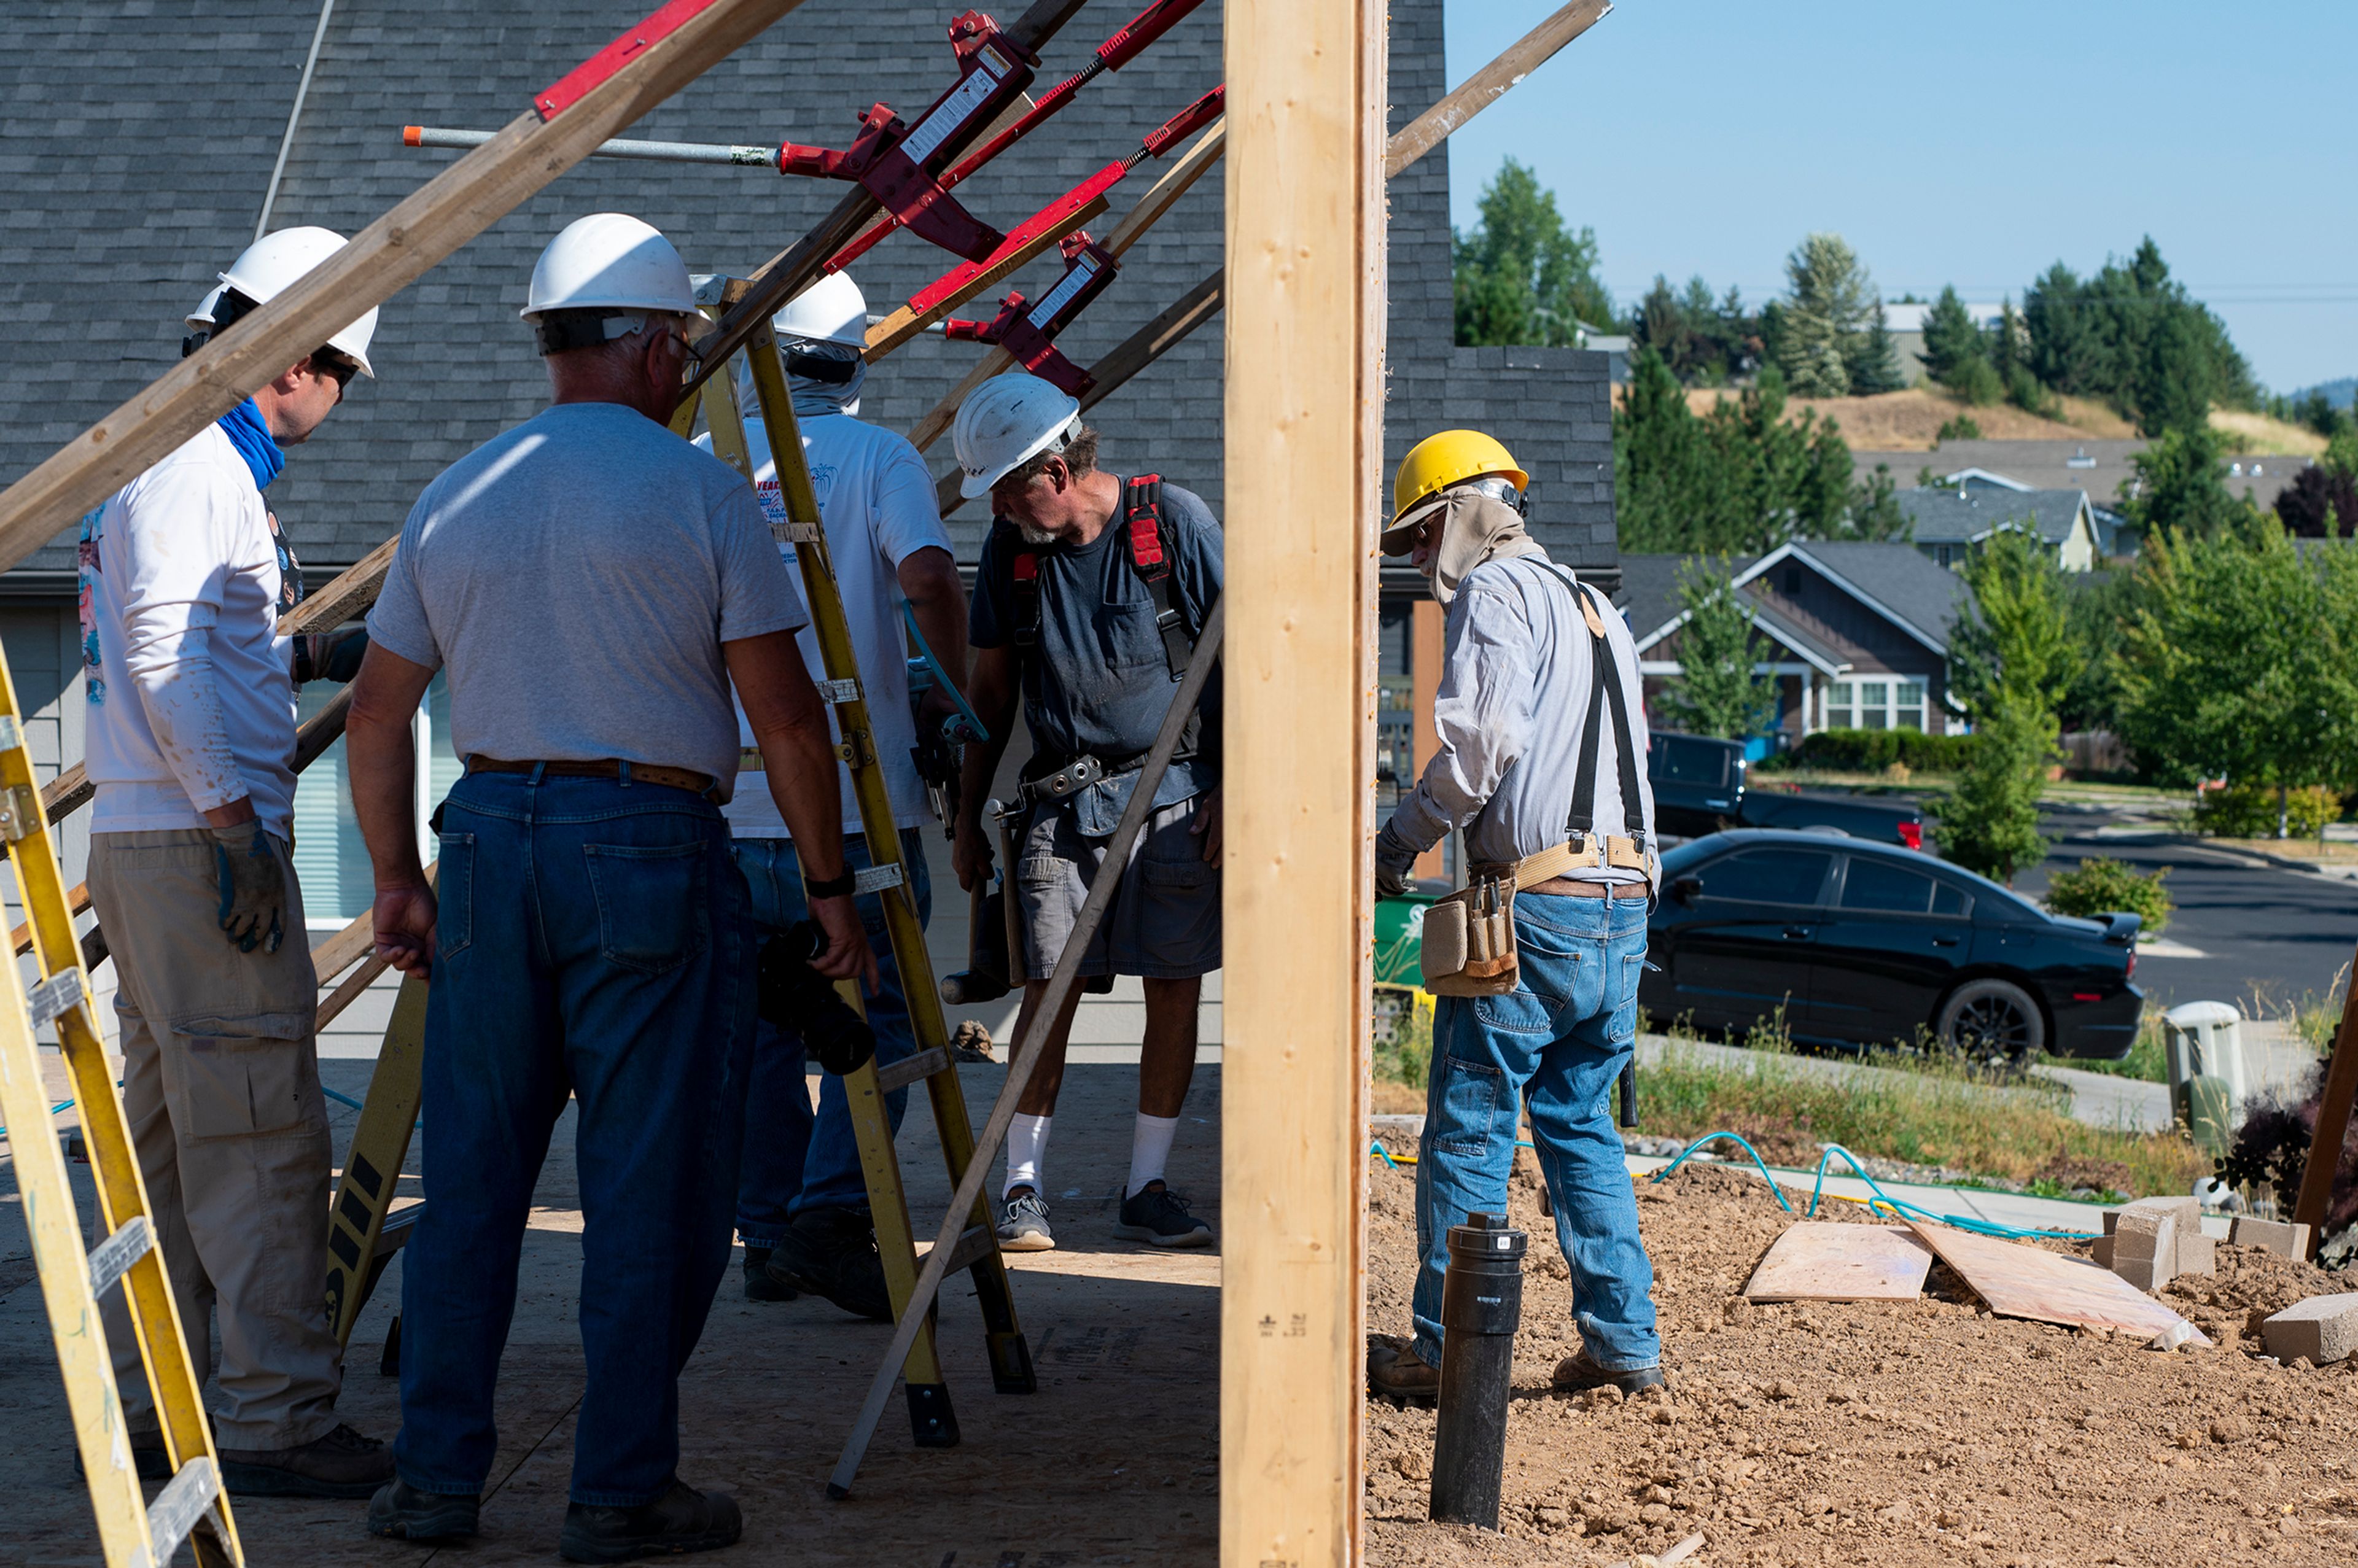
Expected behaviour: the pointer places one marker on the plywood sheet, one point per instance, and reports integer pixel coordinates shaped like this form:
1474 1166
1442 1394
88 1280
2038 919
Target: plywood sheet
1819 1261
2027 1282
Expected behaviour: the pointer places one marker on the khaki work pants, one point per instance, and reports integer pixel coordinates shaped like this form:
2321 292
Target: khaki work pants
220 1085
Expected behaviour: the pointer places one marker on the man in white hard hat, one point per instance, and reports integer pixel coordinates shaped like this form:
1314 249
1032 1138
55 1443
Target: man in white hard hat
802 1203
190 743
1091 592
592 586
1542 723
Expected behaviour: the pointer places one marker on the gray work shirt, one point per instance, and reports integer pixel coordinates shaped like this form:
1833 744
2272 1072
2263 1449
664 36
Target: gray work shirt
1099 683
577 577
1517 671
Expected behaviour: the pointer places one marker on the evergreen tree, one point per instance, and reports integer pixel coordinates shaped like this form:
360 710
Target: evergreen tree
1717 692
2134 337
2181 483
1952 341
2173 386
1522 277
1874 365
2009 663
1829 312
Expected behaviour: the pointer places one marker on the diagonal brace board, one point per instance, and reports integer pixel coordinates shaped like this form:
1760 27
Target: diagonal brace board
434 220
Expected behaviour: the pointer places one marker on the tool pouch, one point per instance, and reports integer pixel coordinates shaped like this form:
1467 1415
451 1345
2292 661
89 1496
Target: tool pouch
1467 944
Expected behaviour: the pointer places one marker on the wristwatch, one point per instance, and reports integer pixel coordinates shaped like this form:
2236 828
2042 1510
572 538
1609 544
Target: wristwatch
829 887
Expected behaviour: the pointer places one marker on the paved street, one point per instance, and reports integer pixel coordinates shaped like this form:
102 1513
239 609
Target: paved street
2261 929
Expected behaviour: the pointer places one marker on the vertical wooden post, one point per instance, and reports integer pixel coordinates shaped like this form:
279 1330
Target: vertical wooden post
1425 646
1304 448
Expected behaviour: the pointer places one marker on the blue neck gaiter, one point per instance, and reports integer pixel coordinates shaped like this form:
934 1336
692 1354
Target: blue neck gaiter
251 436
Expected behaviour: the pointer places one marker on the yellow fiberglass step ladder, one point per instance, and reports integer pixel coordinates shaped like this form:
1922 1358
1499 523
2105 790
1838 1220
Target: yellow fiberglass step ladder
932 1421
191 1508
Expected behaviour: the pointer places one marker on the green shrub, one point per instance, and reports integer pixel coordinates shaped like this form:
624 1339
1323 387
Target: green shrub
2103 887
2026 392
2249 811
1874 750
1978 382
1957 427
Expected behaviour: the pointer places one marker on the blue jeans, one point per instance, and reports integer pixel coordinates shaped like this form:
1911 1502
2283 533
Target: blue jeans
1559 1039
593 937
795 1160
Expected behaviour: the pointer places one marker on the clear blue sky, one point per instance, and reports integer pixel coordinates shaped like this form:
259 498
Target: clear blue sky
1971 146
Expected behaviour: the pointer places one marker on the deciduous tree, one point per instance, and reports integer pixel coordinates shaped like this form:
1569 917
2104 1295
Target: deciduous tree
1523 275
1717 692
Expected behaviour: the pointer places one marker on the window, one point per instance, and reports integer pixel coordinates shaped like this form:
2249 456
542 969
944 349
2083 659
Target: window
1947 898
1879 885
1677 760
1768 876
1889 702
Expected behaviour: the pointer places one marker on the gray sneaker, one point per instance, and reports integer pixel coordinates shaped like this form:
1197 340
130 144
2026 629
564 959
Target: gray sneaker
1158 1216
1025 1229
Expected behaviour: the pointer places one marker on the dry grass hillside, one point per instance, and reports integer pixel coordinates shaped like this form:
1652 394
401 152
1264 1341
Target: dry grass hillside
1910 421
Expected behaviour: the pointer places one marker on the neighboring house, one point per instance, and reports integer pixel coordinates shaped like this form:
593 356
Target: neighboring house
109 243
1856 635
1945 523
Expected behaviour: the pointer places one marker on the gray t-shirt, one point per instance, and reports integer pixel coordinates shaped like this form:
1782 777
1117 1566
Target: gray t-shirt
577 577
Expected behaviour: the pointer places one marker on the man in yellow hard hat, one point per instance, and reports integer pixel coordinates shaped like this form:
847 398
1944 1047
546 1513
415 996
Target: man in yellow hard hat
1540 727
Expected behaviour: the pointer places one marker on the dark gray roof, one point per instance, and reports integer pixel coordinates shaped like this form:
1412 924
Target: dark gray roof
1953 515
2098 467
1650 600
138 138
1903 582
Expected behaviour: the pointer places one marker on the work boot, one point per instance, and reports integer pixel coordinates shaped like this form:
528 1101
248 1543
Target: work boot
1396 1372
1024 1227
761 1285
682 1520
1576 1373
831 1252
402 1512
342 1464
1158 1216
147 1458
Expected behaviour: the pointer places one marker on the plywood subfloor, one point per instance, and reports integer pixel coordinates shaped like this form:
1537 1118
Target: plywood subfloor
1821 1262
2047 1287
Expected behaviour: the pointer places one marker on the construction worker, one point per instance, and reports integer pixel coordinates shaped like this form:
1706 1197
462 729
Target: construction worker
591 585
1091 591
802 1203
1539 709
192 744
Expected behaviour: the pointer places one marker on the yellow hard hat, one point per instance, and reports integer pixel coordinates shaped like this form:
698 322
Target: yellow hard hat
1439 461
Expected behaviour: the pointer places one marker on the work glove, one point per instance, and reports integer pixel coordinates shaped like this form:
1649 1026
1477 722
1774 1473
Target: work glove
253 887
1395 857
330 656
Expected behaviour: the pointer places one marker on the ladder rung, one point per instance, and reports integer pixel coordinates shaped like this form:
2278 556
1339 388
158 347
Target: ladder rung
909 1069
111 1259
839 690
795 533
59 993
973 1247
181 1503
876 879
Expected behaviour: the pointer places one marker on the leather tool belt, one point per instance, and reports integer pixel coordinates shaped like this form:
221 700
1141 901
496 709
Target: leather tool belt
697 783
1071 778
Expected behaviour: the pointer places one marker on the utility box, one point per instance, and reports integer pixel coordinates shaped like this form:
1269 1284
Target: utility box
2204 1045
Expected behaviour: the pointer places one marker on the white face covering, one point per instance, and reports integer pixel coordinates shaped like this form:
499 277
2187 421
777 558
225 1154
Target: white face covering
1475 526
814 396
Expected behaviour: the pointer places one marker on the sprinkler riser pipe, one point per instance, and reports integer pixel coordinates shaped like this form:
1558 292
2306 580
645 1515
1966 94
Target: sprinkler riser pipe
1481 1309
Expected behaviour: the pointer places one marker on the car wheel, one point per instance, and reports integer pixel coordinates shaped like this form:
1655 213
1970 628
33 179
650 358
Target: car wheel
1992 1023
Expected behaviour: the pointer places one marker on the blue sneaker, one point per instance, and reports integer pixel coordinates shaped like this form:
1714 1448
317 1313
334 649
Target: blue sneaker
1158 1216
1025 1227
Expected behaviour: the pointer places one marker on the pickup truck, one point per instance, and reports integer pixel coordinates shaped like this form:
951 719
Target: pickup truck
1700 787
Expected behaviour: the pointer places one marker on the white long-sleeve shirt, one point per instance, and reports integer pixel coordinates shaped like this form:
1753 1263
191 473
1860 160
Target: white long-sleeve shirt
191 701
1512 704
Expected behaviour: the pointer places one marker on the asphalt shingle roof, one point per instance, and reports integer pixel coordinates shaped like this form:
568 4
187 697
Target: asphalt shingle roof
138 137
1946 515
1921 595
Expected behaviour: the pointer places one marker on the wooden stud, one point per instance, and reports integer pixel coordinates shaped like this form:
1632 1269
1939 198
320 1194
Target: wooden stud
1305 437
1490 83
2332 1123
434 220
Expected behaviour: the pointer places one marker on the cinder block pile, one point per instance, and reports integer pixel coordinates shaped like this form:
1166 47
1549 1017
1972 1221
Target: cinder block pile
2154 1240
2320 1329
2277 1236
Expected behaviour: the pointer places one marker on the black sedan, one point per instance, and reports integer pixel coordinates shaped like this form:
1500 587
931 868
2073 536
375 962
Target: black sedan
1871 943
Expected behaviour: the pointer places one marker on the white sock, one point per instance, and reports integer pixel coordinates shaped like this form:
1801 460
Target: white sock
1027 1148
1150 1149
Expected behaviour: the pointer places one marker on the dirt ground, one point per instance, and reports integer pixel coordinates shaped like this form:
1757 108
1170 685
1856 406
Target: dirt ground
1924 1433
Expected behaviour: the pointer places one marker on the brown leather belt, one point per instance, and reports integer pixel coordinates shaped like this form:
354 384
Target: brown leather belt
1567 888
605 768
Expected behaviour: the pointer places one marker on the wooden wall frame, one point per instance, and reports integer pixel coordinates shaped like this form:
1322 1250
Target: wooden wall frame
1304 440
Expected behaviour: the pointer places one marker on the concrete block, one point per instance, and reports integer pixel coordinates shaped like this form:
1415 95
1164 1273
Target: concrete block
2289 1240
2198 1253
2188 1212
2144 1248
2101 1250
2323 1328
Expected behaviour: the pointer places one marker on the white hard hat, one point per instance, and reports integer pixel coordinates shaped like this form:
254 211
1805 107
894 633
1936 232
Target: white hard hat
200 320
1008 419
831 310
612 261
273 262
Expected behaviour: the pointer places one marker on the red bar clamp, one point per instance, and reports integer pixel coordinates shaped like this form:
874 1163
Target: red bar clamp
1029 335
890 157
